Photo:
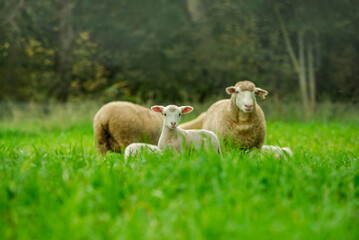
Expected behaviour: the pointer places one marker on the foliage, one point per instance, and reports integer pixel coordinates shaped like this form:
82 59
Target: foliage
166 51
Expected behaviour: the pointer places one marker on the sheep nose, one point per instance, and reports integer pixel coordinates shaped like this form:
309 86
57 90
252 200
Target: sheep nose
173 124
248 105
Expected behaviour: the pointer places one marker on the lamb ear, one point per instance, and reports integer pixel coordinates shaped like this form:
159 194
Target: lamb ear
261 93
186 109
230 90
157 108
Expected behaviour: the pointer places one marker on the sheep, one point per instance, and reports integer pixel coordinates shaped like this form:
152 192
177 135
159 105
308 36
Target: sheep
196 123
118 124
136 148
238 119
174 137
278 151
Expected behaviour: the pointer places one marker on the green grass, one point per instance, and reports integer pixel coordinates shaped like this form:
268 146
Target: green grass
53 186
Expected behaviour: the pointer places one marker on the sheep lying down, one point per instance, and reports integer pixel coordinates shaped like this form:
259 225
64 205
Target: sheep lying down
238 120
277 151
118 124
176 138
138 148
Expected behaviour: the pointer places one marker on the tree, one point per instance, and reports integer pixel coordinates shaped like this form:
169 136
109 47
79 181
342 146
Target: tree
64 54
9 22
303 62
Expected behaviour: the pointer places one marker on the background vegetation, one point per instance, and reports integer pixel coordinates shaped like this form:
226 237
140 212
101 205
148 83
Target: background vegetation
175 51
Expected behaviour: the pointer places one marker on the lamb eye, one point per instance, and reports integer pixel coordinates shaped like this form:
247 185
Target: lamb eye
237 92
165 114
179 115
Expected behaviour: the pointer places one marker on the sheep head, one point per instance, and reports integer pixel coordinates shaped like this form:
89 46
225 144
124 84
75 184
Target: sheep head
244 95
172 114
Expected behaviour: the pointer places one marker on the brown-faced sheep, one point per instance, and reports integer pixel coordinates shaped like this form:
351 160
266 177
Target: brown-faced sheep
238 119
118 124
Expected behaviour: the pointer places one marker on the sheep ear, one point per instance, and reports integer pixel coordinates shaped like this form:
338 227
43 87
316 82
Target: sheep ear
157 108
230 90
186 109
261 93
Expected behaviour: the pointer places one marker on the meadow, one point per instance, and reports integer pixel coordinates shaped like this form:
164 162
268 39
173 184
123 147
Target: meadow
54 186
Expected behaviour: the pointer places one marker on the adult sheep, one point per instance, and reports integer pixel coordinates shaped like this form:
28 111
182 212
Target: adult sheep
118 124
238 119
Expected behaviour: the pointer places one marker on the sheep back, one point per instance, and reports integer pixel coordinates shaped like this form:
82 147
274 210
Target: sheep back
196 123
118 124
202 136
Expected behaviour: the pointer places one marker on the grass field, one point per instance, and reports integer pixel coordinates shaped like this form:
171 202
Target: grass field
53 186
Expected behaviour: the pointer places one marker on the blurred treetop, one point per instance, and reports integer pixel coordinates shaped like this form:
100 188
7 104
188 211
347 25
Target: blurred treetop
175 50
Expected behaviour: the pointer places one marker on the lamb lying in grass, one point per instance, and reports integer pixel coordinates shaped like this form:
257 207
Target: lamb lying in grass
175 137
136 148
277 151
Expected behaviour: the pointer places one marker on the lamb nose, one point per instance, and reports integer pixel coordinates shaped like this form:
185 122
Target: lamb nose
173 124
248 105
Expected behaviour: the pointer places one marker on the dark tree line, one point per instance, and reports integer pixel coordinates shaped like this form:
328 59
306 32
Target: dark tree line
69 50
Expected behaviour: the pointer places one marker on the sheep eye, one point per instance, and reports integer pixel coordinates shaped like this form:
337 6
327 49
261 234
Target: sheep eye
237 92
179 115
165 114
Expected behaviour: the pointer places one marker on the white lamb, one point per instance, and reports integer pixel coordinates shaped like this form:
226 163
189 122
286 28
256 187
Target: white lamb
137 148
277 151
175 137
